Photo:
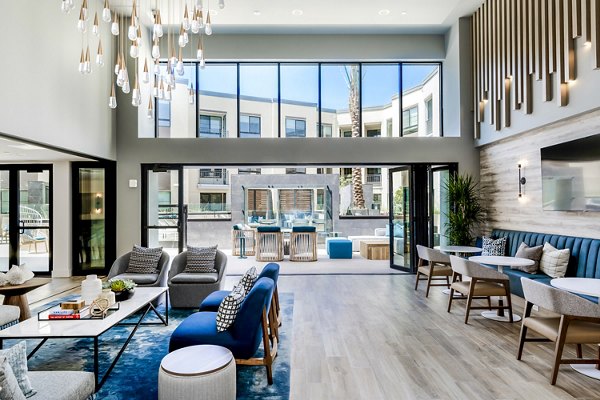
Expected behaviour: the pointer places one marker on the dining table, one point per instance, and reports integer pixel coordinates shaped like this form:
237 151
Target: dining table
589 287
500 262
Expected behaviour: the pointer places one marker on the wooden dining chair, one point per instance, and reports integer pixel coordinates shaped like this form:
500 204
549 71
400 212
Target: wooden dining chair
577 322
484 283
434 266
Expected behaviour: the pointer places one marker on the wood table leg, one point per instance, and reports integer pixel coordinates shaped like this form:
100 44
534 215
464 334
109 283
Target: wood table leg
21 302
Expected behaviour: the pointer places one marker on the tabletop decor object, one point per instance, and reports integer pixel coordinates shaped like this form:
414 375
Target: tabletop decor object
91 288
123 288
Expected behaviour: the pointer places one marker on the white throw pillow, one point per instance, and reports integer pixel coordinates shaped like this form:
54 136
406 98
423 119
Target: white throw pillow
554 262
18 274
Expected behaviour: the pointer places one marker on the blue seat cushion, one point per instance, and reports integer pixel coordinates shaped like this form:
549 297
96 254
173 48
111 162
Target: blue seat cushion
201 328
268 229
304 229
213 300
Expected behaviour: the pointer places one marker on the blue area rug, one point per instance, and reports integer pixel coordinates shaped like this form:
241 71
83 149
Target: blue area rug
136 374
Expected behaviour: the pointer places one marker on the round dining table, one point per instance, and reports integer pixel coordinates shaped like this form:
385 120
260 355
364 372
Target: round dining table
501 262
590 287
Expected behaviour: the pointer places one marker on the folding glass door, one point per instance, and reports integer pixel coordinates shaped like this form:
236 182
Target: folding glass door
26 217
400 223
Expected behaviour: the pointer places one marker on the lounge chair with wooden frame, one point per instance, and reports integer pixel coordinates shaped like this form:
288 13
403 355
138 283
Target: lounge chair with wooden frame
244 337
271 270
484 283
577 321
241 236
269 243
435 266
303 243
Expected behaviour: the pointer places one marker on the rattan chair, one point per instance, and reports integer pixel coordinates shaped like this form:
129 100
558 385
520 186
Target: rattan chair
269 243
577 322
484 283
303 243
433 263
243 237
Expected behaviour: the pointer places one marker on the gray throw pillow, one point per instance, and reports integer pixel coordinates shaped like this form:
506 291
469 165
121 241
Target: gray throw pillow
17 359
144 260
201 259
530 253
8 382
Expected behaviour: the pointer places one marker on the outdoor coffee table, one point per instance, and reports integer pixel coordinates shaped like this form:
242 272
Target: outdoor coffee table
92 328
501 262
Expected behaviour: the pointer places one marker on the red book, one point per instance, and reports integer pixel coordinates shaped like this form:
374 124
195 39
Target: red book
71 316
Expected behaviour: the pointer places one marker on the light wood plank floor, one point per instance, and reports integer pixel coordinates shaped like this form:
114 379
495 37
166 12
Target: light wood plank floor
374 337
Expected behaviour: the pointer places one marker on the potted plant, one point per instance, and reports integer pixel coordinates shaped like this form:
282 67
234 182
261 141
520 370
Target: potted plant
465 212
123 288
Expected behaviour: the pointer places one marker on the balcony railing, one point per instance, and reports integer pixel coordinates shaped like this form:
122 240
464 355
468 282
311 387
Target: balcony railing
213 177
374 179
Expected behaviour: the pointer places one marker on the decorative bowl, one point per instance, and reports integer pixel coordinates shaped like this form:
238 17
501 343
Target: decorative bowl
124 294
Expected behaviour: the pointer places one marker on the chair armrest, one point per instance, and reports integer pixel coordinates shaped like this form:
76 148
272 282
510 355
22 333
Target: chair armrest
119 266
178 264
221 264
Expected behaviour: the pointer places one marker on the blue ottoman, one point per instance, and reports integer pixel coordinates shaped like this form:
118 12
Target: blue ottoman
339 248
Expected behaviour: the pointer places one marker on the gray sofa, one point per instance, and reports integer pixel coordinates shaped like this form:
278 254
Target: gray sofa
9 315
187 290
62 385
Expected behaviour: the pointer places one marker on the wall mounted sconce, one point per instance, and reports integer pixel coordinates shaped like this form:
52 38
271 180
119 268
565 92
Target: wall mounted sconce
522 181
98 203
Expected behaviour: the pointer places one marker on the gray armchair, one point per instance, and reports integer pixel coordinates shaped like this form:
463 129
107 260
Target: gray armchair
187 290
157 280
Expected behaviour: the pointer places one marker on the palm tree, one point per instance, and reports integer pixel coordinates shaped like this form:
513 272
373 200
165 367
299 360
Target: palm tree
352 80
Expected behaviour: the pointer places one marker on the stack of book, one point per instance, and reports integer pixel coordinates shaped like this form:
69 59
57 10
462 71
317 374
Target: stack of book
70 310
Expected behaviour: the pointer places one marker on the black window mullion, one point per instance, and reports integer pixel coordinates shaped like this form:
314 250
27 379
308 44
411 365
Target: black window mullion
278 100
319 133
238 100
400 102
361 133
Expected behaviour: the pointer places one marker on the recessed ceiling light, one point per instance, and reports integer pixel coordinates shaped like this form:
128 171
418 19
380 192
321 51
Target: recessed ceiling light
385 11
403 13
297 12
256 12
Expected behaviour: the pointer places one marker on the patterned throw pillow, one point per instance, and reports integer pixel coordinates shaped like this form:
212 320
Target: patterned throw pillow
229 308
531 253
144 260
494 247
201 259
17 359
249 279
554 262
8 382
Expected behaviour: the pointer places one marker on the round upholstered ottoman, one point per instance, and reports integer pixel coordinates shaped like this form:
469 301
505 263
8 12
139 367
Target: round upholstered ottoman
204 372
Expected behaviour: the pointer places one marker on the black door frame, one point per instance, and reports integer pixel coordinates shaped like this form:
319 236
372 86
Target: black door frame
14 227
392 236
110 215
147 168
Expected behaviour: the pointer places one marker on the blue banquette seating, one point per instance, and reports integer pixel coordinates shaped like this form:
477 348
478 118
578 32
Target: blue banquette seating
584 261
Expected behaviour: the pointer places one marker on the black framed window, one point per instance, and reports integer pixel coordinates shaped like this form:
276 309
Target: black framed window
211 126
410 120
249 126
295 127
326 130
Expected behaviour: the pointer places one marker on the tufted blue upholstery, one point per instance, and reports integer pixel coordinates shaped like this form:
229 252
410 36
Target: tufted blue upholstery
243 338
584 262
213 300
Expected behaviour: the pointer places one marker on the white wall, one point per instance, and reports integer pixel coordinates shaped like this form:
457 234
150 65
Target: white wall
61 214
44 97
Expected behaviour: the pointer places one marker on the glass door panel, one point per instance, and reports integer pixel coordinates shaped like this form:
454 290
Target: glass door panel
163 225
400 217
4 220
34 219
439 207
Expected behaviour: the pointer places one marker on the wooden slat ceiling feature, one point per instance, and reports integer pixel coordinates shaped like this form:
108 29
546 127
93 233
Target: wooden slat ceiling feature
258 199
517 42
291 200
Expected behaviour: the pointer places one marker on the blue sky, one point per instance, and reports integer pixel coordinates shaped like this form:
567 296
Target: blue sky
299 82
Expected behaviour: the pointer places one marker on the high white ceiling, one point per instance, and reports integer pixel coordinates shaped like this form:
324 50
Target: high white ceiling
321 16
19 152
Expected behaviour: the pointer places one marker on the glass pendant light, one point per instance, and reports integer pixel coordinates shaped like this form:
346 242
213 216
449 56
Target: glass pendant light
198 3
155 50
158 28
221 4
161 90
100 54
202 63
156 68
81 25
179 67
126 88
145 73
186 19
208 26
168 94
150 112
118 64
200 19
64 7
155 87
95 27
106 12
132 32
182 34
200 51
138 38
82 62
133 50
191 94
121 76
136 96
114 28
84 10
87 64
112 100
195 24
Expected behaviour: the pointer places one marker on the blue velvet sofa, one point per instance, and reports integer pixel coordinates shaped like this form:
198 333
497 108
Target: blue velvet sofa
584 262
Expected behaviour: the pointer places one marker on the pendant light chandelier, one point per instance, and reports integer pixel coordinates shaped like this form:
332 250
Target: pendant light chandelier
127 30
